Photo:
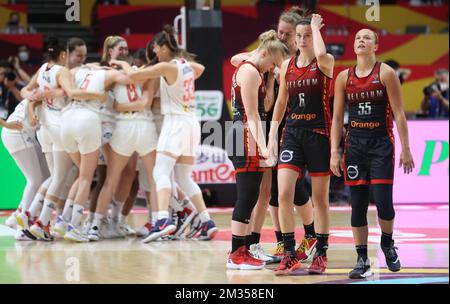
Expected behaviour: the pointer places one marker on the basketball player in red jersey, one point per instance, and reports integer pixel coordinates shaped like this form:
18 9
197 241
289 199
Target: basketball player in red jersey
249 94
372 91
305 85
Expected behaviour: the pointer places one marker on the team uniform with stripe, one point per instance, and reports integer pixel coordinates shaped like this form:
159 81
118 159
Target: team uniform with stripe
245 155
135 131
305 140
180 132
81 129
369 143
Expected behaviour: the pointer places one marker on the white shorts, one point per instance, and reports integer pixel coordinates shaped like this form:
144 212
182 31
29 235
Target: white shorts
180 135
54 133
45 140
81 131
108 128
15 141
134 136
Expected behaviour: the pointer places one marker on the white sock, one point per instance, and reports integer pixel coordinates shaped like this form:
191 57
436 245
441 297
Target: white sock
204 216
190 206
36 205
59 210
123 218
116 207
97 219
163 214
67 211
91 216
154 217
77 215
47 211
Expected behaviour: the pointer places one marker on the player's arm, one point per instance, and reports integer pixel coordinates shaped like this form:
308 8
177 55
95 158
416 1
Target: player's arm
390 80
238 58
14 125
251 80
30 88
66 81
270 92
324 60
31 109
164 69
198 69
337 124
280 103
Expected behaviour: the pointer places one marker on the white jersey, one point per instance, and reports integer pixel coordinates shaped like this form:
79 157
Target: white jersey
107 112
51 108
125 94
178 98
91 80
20 114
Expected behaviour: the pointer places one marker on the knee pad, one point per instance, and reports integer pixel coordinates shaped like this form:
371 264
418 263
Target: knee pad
161 173
359 201
247 195
183 177
382 195
301 197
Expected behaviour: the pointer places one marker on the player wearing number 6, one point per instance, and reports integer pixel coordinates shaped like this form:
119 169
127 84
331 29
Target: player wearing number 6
304 86
180 134
372 91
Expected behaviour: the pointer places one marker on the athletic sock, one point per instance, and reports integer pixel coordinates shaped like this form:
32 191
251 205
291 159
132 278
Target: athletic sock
204 216
322 244
279 236
36 205
163 214
289 243
116 207
77 215
361 250
47 211
386 239
237 242
309 231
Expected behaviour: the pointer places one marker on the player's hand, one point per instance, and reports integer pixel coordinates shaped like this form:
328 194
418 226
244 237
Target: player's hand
336 164
407 161
14 125
317 22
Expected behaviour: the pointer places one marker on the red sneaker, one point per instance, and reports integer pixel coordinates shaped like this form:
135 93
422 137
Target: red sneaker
319 265
242 260
287 265
306 249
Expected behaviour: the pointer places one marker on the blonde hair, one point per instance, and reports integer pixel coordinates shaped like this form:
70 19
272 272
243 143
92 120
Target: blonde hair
270 42
293 15
110 43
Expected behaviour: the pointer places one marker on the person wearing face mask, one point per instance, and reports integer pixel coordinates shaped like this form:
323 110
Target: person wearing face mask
435 103
13 26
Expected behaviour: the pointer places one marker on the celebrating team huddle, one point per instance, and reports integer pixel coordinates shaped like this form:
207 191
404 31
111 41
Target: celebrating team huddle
130 125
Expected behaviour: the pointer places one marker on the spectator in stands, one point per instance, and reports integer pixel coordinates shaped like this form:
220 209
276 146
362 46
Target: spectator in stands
435 103
9 88
402 73
27 62
23 77
139 58
13 26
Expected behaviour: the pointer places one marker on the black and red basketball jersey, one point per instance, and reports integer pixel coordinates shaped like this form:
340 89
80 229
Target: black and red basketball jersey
309 92
236 97
369 109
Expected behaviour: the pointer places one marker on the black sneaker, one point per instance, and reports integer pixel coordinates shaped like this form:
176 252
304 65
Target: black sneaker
361 270
392 259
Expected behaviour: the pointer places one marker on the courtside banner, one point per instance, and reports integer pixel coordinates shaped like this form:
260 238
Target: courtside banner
428 183
213 166
209 105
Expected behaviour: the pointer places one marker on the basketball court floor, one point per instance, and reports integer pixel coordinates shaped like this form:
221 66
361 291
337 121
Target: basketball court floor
421 235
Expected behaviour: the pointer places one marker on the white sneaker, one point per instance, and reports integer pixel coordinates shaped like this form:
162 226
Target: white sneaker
257 251
196 225
99 232
145 230
114 229
20 236
86 226
11 221
22 221
60 228
126 228
75 235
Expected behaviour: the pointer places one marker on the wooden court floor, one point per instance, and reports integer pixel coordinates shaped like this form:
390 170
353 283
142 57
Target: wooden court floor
421 236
